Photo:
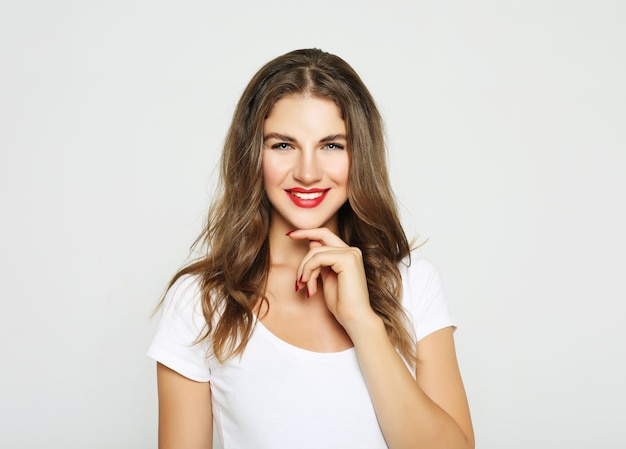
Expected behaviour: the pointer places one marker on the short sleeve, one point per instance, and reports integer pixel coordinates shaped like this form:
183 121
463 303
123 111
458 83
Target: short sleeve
181 323
423 297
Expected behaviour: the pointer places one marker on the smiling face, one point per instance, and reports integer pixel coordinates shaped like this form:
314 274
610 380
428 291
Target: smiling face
305 162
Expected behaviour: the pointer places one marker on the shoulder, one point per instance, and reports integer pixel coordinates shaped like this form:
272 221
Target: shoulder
423 296
178 342
183 293
419 273
182 305
183 300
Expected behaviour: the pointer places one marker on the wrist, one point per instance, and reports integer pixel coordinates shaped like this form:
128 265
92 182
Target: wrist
367 325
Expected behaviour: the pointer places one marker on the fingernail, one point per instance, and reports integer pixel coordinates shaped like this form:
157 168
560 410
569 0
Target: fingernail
289 233
297 286
307 293
300 280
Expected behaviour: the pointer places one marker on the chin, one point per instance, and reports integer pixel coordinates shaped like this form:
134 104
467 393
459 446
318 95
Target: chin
330 224
305 219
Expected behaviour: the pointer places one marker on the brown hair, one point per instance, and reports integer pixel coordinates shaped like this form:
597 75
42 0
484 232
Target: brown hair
233 270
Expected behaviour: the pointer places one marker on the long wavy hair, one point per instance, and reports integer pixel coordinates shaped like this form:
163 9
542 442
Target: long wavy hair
234 262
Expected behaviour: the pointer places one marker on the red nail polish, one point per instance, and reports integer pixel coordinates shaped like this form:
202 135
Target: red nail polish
297 286
307 293
300 280
289 233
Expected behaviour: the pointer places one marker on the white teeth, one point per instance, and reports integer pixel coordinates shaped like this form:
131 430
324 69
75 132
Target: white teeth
307 196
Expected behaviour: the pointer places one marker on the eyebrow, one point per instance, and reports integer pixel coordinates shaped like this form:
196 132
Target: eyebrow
333 137
288 138
278 136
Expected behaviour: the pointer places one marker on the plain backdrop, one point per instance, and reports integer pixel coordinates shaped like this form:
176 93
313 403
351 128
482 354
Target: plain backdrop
507 145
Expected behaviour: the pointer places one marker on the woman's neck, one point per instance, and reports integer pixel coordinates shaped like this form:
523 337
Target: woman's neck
285 251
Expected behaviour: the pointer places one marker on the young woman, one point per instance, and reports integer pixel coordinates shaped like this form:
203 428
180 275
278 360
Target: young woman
307 323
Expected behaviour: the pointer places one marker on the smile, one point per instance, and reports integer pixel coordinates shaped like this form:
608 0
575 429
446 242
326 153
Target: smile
307 198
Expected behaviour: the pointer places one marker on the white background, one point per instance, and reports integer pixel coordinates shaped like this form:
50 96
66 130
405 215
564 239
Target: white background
506 131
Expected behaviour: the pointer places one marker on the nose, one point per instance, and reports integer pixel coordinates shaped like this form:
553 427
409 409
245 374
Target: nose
307 169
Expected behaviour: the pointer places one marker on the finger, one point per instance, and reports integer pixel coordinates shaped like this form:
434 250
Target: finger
303 274
311 285
307 266
322 257
322 235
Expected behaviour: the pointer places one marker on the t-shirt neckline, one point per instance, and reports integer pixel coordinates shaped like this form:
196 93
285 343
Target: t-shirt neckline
268 335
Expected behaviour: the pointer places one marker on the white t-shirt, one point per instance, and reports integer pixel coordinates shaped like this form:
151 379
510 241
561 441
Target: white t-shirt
277 395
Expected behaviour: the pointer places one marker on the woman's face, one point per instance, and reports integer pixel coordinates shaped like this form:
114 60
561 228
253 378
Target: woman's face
305 162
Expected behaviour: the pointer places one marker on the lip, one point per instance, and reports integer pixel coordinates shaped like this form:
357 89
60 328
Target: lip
307 203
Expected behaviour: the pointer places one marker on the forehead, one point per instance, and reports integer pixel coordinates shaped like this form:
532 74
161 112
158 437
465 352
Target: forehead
306 113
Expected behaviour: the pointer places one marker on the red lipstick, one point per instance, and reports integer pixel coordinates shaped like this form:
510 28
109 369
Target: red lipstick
307 198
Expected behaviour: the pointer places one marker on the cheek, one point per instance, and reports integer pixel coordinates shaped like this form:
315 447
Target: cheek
340 170
273 169
266 167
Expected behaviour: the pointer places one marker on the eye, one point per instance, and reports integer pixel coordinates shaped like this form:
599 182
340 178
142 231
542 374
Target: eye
334 146
281 146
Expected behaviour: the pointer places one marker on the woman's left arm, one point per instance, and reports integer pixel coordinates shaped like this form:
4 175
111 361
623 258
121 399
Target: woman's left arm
428 412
